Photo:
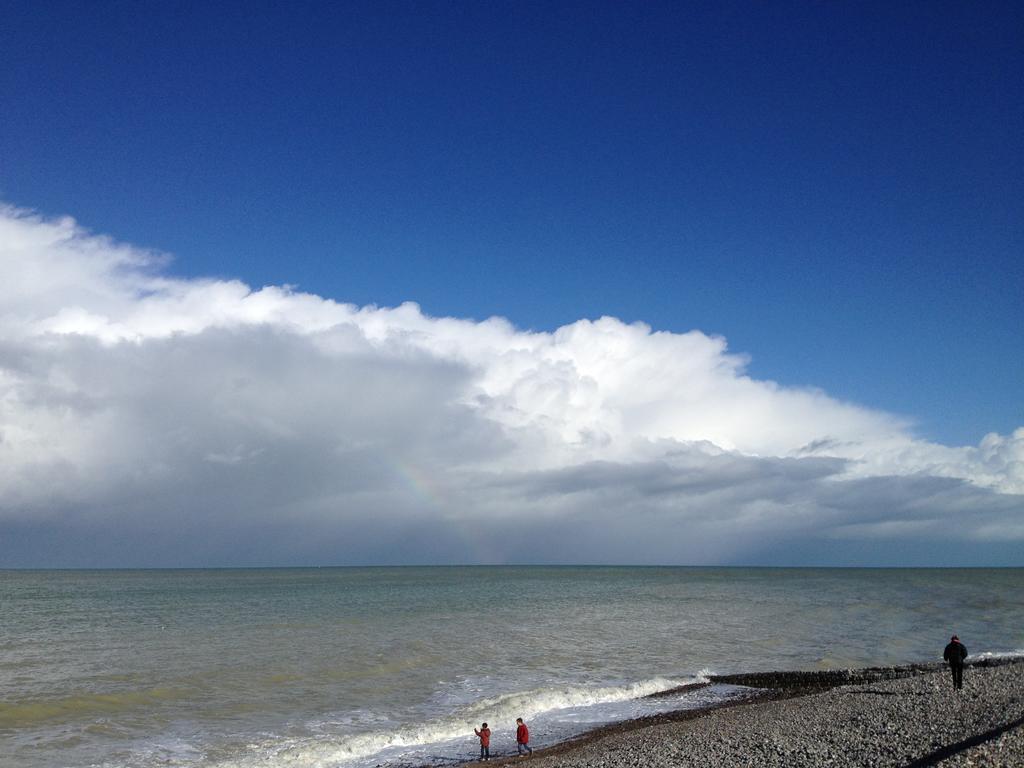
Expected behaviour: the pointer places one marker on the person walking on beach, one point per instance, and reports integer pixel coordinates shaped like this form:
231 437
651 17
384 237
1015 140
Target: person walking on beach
523 738
485 742
955 654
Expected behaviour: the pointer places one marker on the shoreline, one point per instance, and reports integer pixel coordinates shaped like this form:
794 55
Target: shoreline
791 712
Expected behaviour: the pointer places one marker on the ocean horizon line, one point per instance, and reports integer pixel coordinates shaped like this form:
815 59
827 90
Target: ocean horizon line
498 566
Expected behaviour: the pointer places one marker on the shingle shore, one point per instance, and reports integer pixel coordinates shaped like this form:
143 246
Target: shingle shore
892 720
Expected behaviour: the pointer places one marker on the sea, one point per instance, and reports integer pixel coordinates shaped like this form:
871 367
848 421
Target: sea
360 667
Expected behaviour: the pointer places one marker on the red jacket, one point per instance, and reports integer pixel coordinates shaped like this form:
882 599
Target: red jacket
522 734
485 736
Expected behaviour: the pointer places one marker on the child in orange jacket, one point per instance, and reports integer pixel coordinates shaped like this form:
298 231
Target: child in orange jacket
485 742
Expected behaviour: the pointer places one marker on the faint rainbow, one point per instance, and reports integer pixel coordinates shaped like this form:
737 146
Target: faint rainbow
433 498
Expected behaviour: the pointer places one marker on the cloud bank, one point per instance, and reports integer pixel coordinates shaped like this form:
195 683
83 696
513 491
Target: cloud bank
151 420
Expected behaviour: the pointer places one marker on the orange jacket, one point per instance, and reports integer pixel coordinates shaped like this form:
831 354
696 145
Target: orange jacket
485 736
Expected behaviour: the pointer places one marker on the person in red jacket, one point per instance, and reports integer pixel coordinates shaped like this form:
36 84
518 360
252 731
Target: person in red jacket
523 738
485 742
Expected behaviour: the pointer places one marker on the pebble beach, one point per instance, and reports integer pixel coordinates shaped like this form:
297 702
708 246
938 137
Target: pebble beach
900 716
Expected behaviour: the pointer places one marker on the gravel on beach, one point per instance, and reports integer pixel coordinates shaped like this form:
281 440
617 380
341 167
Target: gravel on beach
911 721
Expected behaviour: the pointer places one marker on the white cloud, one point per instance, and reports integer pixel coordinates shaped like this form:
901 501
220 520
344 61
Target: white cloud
209 412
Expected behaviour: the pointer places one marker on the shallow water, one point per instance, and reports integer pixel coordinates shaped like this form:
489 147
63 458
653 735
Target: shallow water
358 666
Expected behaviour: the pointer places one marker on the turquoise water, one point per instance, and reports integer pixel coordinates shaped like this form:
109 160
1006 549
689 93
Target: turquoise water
361 666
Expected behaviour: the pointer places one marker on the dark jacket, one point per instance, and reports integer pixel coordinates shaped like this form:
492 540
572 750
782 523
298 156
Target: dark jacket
955 653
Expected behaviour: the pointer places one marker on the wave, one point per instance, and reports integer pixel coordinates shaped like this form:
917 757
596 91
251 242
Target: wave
1017 654
535 702
502 709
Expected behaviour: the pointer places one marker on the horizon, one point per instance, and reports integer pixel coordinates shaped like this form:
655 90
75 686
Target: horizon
531 565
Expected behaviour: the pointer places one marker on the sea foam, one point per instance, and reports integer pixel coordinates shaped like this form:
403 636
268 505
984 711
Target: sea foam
503 710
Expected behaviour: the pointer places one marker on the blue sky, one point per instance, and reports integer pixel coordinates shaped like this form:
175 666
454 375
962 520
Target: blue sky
835 189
